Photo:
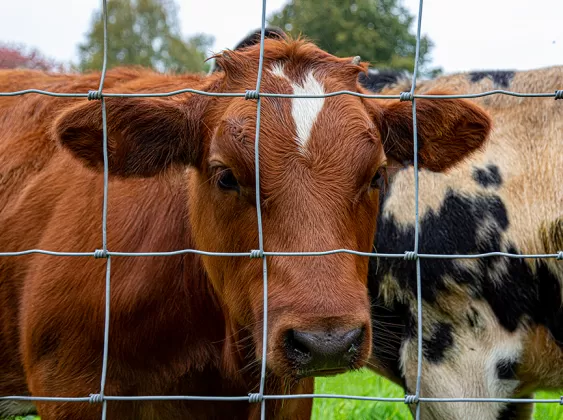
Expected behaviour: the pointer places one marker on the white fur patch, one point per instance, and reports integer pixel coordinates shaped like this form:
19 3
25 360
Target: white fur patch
277 70
303 110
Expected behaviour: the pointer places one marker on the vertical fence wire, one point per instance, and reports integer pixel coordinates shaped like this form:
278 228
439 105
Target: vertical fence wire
416 219
259 218
105 355
260 252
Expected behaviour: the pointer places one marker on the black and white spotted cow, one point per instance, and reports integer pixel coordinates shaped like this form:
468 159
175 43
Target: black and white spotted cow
491 327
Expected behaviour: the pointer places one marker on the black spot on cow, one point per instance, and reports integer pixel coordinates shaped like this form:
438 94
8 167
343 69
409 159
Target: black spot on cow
523 292
467 224
488 177
500 78
517 411
377 80
509 412
454 229
506 369
441 340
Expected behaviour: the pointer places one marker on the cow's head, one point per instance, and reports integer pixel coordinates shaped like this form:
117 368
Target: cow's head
321 166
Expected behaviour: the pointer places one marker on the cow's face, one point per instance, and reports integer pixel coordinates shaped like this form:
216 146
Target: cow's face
321 165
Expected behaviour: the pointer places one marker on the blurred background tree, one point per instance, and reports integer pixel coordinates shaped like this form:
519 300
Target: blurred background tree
145 33
377 30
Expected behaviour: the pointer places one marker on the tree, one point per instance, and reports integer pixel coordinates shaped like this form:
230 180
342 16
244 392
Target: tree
145 33
376 30
17 56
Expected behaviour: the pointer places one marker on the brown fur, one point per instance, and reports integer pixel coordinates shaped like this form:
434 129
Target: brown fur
187 324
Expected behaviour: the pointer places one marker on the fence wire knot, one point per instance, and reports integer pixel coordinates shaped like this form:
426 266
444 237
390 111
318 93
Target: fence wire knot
411 256
559 94
94 95
561 401
255 398
411 399
100 253
251 94
256 253
96 399
560 255
406 96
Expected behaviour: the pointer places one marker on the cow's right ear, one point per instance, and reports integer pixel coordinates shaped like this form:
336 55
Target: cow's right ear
145 135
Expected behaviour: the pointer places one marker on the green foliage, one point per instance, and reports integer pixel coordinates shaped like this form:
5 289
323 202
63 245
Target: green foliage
377 30
145 33
366 383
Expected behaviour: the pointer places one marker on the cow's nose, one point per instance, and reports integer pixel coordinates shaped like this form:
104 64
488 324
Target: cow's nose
319 353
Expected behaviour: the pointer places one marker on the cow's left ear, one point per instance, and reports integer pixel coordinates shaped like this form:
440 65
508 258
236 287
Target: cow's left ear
448 131
145 135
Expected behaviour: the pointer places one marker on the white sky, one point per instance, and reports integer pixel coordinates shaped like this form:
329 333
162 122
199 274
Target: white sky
468 34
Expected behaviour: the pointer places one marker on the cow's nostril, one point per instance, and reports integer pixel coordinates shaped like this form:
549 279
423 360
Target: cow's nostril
323 352
296 343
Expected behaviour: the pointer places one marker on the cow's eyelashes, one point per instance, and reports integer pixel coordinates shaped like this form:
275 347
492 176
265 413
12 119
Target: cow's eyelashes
226 180
379 180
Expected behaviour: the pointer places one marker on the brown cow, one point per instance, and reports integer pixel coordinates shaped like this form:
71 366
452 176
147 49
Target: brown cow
182 176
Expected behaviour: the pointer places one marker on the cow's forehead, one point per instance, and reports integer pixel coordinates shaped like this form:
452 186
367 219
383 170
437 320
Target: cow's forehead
336 131
304 111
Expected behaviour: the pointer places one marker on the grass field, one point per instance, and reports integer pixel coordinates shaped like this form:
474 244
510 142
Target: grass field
368 384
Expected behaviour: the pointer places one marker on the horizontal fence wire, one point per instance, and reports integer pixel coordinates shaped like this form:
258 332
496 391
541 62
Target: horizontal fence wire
280 397
558 94
256 94
408 255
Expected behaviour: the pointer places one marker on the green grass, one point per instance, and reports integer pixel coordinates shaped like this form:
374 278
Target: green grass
368 384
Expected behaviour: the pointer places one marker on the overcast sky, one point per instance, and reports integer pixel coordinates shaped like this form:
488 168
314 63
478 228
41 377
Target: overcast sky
468 34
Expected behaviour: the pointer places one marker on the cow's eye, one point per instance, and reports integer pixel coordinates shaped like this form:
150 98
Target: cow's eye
379 180
227 181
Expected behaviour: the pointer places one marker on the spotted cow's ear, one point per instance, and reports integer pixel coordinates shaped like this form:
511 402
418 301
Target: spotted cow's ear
448 131
145 135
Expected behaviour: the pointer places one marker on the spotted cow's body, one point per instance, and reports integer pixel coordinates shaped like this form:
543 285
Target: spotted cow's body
492 327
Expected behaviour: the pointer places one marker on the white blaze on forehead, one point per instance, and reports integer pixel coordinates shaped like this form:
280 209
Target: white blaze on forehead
303 110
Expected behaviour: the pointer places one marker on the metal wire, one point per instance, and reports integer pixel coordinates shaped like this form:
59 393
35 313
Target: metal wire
256 94
105 214
280 397
416 398
257 254
401 96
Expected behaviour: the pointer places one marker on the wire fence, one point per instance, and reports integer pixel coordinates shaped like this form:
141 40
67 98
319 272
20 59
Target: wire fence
256 94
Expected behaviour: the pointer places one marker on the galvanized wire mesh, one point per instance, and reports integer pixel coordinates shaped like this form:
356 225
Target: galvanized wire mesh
256 94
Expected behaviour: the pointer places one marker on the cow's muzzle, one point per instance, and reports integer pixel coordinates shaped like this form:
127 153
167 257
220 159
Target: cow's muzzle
323 353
